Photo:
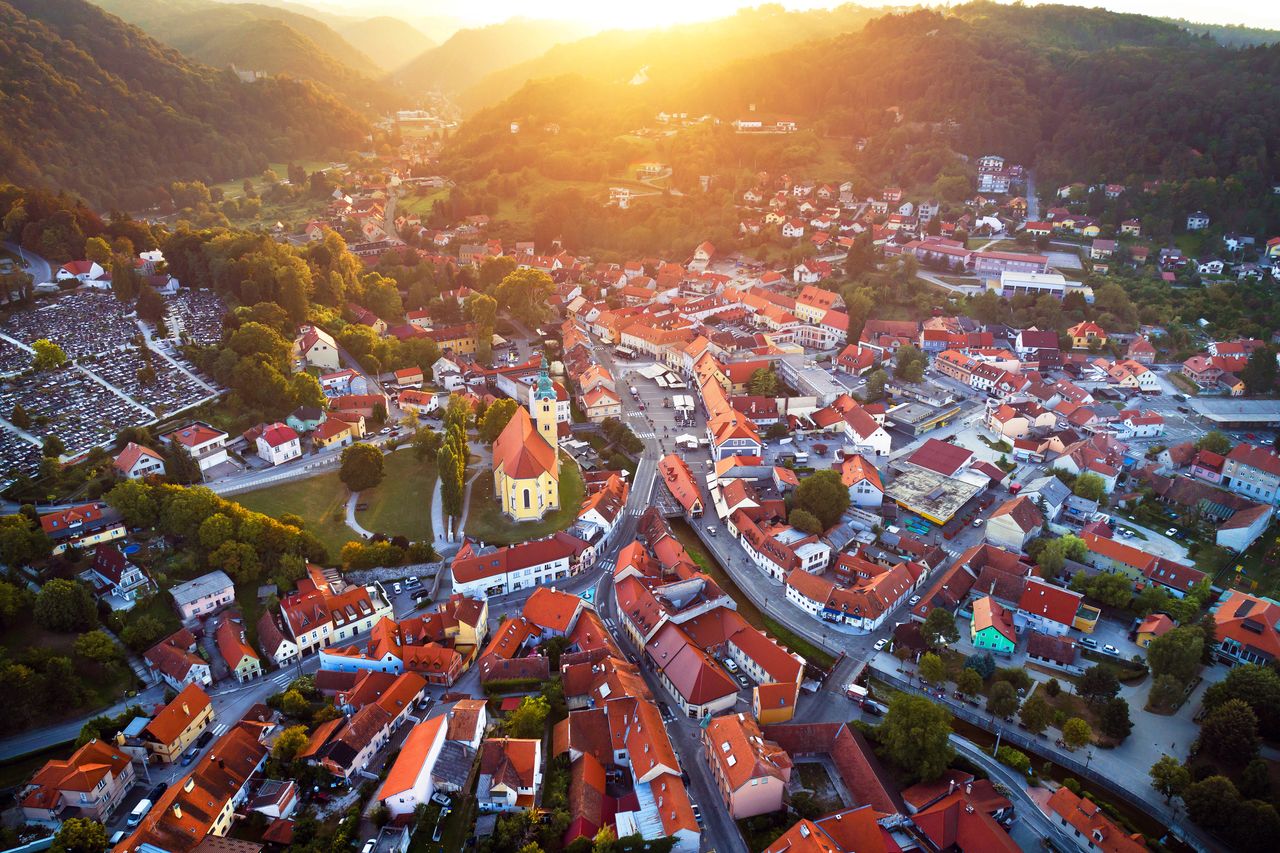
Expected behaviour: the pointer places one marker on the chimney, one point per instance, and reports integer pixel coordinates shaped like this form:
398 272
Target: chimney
177 811
951 787
968 787
185 709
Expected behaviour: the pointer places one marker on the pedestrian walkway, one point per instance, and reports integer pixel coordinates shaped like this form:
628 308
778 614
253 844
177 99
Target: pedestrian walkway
351 517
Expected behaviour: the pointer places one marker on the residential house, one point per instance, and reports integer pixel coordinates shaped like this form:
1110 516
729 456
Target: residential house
83 526
114 578
1253 472
409 782
177 724
325 609
1088 827
240 657
175 661
1155 625
1046 608
136 462
510 773
91 783
862 480
278 443
1014 523
206 445
1085 333
203 595
277 647
750 772
1248 628
495 572
317 348
992 627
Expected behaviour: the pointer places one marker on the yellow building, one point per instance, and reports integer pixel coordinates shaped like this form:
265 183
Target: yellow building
526 463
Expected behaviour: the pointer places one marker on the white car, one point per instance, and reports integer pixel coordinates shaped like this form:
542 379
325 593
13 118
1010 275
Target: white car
396 589
730 665
881 643
915 599
1111 650
977 522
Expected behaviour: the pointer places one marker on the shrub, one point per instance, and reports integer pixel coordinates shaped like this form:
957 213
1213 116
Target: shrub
1014 758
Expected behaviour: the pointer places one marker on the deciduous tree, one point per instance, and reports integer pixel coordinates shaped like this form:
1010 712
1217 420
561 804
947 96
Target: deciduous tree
1177 653
48 355
939 629
915 734
1169 777
1035 714
1002 700
931 668
65 605
824 495
1076 733
1230 732
362 467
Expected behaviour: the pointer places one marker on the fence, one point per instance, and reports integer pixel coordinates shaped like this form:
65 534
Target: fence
1045 749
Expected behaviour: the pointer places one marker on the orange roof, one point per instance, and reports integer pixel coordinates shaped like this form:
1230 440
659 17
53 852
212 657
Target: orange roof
412 759
231 644
173 719
987 613
679 479
1118 552
552 609
1251 622
1085 817
133 452
855 469
510 761
464 718
738 748
804 837
521 451
82 772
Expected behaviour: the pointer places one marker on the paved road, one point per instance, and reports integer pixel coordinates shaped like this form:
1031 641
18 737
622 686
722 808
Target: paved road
40 269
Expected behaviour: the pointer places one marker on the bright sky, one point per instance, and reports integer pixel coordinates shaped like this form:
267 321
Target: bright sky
649 13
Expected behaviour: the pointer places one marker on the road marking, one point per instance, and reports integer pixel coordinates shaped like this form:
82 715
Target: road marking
219 729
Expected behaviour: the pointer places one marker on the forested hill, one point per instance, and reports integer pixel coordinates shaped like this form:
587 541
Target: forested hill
92 104
662 59
468 55
255 37
1081 94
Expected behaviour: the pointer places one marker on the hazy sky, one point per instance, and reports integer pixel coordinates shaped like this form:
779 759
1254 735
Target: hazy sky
649 13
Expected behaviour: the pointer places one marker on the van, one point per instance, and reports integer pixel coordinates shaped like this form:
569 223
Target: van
138 813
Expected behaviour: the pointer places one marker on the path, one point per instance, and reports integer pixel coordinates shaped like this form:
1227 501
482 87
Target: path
351 517
147 336
438 528
38 268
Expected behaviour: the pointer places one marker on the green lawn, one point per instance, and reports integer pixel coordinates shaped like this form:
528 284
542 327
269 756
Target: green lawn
420 203
401 504
486 522
235 187
319 500
746 607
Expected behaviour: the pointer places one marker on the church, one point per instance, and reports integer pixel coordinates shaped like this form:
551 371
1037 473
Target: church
526 461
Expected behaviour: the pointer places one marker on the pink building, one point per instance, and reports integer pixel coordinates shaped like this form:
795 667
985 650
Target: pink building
751 772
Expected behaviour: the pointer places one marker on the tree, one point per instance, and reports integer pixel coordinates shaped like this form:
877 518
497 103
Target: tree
823 494
1177 653
22 540
98 647
97 250
48 355
426 443
1166 692
806 522
1099 683
916 736
1036 714
65 606
304 390
180 466
1256 827
80 835
1257 686
1053 688
968 682
1055 553
1114 721
1259 374
361 467
1169 777
875 384
1255 779
143 632
19 417
496 418
763 383
294 704
530 719
1212 802
1002 701
939 628
1230 732
135 502
1214 442
1110 588
13 599
291 741
931 668
909 364
1076 733
858 306
525 294
984 664
1091 487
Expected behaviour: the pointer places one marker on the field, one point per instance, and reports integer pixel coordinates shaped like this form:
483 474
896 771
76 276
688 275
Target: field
486 523
401 504
235 188
420 202
319 500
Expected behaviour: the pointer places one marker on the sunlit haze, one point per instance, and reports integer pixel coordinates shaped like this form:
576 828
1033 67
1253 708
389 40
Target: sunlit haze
659 12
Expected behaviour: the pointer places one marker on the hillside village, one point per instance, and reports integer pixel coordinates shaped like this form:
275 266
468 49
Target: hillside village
901 517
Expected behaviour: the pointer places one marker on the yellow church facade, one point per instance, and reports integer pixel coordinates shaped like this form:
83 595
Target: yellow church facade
526 461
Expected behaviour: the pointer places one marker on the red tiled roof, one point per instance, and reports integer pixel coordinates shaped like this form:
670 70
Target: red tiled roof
1051 602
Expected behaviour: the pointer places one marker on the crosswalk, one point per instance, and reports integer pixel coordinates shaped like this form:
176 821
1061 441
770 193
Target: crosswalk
220 729
645 435
283 679
608 564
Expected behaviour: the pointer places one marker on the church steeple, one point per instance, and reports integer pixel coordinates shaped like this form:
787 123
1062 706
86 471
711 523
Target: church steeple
544 405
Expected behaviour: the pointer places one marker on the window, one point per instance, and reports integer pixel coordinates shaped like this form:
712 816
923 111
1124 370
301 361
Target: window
526 498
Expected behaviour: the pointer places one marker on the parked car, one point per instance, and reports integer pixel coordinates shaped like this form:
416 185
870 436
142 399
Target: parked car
697 813
743 682
369 845
915 599
1172 531
977 522
396 588
442 799
412 582
730 665
190 756
1111 650
1089 642
881 643
154 793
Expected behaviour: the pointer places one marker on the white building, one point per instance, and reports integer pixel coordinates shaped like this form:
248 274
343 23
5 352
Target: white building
278 444
206 445
409 782
522 566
